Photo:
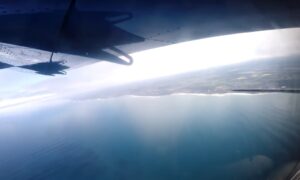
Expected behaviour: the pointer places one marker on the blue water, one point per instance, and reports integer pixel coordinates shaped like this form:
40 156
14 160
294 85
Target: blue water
170 137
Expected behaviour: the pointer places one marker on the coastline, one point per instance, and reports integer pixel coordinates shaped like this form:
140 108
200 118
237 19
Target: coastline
241 92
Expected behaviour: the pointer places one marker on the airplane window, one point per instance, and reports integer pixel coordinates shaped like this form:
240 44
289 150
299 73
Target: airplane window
148 90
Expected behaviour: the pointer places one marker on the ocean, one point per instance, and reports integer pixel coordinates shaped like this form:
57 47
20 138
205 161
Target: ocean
183 136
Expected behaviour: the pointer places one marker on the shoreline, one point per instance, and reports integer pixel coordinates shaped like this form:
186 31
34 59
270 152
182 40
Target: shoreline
244 92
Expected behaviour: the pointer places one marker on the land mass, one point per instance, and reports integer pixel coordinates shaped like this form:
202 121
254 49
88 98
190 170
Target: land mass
269 75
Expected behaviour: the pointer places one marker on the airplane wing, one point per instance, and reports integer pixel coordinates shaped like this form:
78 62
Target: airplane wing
166 22
33 24
159 23
68 31
37 61
99 25
30 30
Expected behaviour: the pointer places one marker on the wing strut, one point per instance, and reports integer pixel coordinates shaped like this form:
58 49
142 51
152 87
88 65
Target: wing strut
51 56
71 6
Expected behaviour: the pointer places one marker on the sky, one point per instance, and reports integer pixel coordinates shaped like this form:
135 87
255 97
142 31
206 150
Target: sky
153 63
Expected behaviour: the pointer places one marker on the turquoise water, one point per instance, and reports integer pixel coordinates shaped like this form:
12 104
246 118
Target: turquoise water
231 136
